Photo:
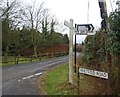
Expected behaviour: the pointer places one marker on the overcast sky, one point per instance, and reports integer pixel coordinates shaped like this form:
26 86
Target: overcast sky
77 10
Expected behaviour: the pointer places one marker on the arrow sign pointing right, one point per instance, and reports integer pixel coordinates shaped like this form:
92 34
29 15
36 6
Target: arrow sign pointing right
86 27
91 27
83 29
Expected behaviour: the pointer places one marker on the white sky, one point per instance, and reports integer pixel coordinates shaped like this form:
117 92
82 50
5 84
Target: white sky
77 10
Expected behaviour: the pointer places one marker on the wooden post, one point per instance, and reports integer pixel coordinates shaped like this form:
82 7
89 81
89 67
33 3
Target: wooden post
71 29
52 55
15 60
18 59
47 55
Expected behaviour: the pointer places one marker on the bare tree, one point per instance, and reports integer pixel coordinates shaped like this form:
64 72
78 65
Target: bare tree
59 26
9 14
10 10
32 16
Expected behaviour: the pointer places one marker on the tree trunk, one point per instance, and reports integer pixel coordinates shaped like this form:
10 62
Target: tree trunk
35 51
6 54
107 62
18 59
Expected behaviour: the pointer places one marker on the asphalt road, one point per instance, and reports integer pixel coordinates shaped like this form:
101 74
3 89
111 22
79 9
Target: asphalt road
22 79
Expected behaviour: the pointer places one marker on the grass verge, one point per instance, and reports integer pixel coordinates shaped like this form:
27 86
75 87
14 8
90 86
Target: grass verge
55 82
22 60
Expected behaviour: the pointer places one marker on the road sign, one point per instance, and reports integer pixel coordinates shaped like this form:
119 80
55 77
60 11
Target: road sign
94 73
83 29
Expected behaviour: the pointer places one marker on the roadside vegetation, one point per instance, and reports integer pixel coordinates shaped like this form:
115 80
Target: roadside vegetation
13 60
100 52
103 51
29 30
55 82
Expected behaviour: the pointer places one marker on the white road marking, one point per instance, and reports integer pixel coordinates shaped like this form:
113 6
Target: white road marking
30 76
52 64
24 78
55 63
50 61
63 58
11 68
38 73
59 61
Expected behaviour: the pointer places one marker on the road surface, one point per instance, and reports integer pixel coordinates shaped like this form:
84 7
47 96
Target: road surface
21 79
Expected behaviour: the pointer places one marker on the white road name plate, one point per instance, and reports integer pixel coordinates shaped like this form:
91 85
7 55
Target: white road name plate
94 73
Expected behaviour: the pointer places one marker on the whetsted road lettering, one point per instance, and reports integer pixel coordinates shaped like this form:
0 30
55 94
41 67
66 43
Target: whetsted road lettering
94 73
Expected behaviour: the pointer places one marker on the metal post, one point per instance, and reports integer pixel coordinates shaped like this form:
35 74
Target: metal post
75 54
78 82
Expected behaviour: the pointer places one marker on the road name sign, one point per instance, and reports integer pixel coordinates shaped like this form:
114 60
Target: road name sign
94 73
83 29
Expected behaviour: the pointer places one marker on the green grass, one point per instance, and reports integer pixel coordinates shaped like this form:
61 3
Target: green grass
11 61
55 78
55 82
0 63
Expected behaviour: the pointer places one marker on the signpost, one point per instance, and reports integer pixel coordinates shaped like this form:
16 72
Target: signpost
80 29
71 30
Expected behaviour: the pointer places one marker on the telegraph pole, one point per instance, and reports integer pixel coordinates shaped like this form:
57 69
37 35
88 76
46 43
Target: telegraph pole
104 26
71 30
118 3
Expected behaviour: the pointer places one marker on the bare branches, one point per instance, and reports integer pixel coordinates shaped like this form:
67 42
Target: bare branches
11 11
59 27
8 8
30 15
33 15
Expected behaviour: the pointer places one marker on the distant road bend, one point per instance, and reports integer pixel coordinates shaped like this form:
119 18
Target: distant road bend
21 79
